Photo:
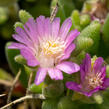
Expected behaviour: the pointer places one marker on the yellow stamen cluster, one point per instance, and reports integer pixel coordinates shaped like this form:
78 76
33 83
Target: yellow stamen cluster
94 80
53 48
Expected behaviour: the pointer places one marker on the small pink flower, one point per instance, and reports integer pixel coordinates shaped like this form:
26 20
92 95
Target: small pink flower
93 77
47 45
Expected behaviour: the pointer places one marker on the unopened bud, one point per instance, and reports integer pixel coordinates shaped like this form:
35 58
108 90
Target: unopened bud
24 16
18 24
98 98
20 59
53 90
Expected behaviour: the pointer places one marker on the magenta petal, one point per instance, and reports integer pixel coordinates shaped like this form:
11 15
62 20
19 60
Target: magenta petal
65 28
85 67
73 86
23 35
47 27
106 83
16 45
27 54
103 72
71 36
40 76
55 27
40 25
68 67
98 64
19 38
55 74
68 51
30 28
91 92
87 63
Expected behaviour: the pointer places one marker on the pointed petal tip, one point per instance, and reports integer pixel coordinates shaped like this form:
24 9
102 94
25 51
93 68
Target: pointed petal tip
55 74
73 86
68 67
106 83
40 76
88 55
78 32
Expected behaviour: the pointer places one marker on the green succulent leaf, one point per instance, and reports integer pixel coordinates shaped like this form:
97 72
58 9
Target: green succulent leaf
75 16
50 104
66 103
92 31
20 59
14 66
36 88
53 90
5 75
85 20
83 43
105 31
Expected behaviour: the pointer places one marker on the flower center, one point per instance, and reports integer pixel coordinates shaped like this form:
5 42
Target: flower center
50 51
94 80
53 48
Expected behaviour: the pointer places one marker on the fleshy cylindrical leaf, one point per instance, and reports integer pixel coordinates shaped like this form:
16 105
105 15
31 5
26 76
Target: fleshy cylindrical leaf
14 66
75 16
85 20
83 43
50 104
66 103
92 31
105 31
36 88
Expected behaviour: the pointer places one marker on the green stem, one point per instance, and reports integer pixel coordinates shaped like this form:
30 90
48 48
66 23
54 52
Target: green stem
68 92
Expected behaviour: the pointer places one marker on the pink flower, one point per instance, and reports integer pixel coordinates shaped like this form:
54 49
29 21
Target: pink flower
93 77
47 45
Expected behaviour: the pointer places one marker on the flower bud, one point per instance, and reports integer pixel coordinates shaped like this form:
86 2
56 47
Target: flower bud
98 98
53 90
18 24
24 16
20 59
